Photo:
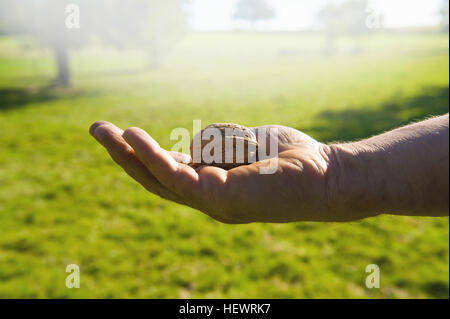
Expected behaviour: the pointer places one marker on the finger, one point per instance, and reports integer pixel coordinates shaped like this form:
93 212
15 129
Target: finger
110 137
177 177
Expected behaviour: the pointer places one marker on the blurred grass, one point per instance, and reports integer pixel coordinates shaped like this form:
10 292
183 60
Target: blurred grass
63 201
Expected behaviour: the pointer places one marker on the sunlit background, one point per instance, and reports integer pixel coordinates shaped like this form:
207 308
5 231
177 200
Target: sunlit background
297 15
337 70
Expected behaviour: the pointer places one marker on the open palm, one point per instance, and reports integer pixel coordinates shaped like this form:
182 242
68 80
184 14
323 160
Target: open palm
296 191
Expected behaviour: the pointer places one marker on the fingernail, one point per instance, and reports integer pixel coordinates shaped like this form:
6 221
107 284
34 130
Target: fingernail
95 125
132 133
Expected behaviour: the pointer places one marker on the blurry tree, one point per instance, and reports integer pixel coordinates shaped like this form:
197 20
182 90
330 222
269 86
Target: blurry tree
329 18
346 18
253 11
152 25
444 13
45 20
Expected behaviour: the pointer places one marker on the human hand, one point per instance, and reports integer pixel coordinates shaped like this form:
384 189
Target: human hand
298 190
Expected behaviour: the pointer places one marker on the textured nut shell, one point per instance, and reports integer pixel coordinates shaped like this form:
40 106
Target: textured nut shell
228 159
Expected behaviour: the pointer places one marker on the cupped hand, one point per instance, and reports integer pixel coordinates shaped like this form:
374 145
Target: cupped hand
298 189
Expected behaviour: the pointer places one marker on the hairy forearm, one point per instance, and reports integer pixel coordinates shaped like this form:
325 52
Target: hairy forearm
403 172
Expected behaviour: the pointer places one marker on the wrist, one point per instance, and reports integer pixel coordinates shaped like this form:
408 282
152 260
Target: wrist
353 188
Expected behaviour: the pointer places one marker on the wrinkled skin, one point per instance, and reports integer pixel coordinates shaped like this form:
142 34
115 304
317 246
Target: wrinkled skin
297 191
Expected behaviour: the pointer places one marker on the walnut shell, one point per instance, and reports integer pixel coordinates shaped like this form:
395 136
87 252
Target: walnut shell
238 146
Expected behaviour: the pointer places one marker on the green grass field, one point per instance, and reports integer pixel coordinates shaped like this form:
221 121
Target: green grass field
63 201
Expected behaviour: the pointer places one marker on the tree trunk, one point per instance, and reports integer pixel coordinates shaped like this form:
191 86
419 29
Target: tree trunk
63 67
155 62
